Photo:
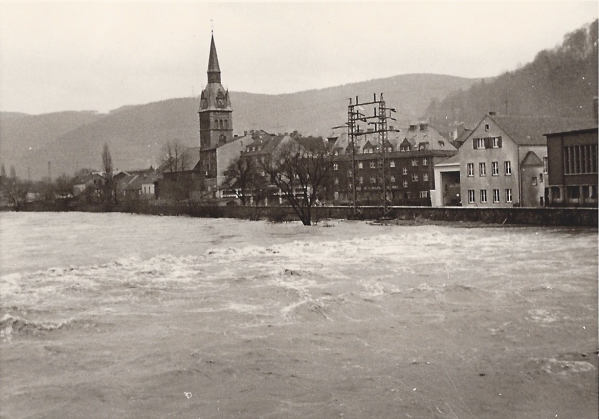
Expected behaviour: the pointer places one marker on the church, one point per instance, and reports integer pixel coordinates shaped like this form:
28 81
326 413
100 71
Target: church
218 146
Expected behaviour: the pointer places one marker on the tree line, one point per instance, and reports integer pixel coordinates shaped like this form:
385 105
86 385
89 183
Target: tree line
559 82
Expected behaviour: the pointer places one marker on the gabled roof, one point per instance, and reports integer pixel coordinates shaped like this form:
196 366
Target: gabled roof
531 159
263 145
450 161
529 130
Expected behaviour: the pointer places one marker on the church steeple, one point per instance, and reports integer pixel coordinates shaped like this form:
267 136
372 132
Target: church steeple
216 121
213 67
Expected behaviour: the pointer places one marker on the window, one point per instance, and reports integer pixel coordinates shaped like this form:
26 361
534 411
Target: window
414 162
392 163
541 177
545 164
442 143
361 180
392 179
425 161
470 169
336 181
360 165
496 142
372 165
408 195
372 179
405 171
483 196
425 177
534 181
423 194
495 196
479 143
507 167
335 166
487 127
380 164
471 197
349 172
495 168
508 195
414 177
482 169
405 183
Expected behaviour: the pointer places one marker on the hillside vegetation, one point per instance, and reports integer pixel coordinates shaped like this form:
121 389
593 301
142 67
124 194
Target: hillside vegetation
559 82
135 133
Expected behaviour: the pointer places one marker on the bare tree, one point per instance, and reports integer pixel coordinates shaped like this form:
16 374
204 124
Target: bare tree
299 170
174 157
17 189
243 176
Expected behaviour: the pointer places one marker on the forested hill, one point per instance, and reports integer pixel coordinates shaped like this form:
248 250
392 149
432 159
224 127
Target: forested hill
136 133
559 82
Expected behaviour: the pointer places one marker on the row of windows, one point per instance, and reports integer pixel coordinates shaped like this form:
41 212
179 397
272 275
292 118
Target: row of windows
488 142
220 123
483 196
392 179
374 164
482 168
580 159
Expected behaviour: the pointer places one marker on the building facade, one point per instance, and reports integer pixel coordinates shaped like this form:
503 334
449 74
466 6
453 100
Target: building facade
409 158
503 161
572 168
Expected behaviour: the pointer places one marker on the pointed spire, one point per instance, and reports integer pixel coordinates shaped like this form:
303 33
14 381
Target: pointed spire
213 67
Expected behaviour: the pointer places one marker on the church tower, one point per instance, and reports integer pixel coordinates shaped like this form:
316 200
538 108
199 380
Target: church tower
216 114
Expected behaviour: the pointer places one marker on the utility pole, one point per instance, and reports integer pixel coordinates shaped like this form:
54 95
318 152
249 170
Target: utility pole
379 119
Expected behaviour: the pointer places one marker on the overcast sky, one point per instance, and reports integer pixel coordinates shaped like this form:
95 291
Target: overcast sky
100 56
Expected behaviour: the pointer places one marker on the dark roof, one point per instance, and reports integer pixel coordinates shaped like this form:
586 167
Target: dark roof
213 66
264 145
530 130
575 131
311 143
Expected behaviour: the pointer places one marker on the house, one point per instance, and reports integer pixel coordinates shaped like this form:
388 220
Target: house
572 167
259 145
503 160
90 180
410 154
139 184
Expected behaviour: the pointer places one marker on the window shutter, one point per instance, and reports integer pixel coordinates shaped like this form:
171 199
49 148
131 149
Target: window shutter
499 141
487 141
474 140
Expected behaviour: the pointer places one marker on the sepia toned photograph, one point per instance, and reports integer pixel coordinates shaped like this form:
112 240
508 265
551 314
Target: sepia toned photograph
299 210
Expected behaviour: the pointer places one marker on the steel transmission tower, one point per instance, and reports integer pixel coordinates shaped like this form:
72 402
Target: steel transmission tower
379 119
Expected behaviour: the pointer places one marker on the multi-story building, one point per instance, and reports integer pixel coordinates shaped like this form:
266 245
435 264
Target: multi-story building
572 167
409 157
503 160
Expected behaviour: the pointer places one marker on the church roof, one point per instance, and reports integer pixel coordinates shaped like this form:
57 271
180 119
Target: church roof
213 67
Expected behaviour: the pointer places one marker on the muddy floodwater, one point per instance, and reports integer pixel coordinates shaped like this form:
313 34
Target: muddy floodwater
128 316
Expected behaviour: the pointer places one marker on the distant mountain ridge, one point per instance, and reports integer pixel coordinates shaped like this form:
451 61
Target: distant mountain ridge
136 133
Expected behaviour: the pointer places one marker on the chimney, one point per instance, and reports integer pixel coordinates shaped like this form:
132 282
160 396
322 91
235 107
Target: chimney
492 113
423 126
595 110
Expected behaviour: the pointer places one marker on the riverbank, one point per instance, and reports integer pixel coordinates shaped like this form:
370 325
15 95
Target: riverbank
562 216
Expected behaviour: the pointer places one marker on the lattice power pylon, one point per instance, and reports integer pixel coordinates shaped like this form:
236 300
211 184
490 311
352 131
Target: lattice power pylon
379 119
